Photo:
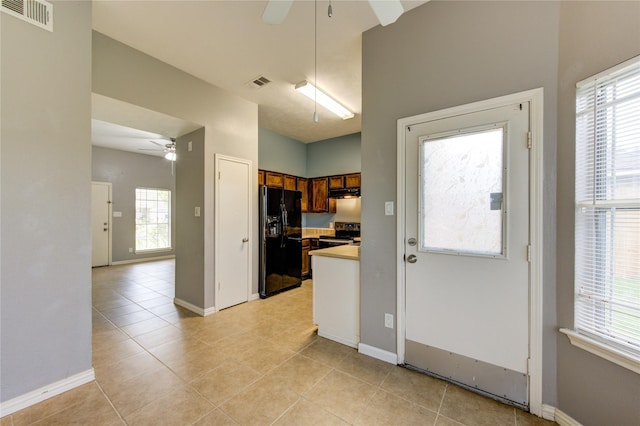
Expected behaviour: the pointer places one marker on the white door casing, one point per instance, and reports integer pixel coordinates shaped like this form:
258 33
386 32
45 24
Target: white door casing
470 338
233 253
100 224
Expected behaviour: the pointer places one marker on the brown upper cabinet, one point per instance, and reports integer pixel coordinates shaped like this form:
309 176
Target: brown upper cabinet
319 196
303 186
336 182
290 182
274 180
260 177
352 180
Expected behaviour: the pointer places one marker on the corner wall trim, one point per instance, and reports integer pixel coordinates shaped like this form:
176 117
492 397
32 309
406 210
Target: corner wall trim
193 308
563 419
254 296
378 353
143 259
46 392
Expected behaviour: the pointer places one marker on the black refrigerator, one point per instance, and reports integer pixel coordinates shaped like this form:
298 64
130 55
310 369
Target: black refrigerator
281 240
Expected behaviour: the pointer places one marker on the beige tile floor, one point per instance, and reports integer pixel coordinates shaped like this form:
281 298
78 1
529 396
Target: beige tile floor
259 363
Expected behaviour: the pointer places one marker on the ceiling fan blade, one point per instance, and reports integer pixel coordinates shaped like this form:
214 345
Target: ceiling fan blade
150 149
387 11
157 143
276 11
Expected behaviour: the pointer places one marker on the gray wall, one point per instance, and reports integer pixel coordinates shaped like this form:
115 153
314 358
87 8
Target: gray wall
127 171
278 153
440 55
231 128
189 228
590 389
334 156
45 313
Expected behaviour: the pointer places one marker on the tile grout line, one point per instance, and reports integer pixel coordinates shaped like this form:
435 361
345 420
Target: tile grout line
110 402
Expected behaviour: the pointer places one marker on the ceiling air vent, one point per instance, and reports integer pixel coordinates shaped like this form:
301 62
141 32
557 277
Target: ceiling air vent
259 82
36 12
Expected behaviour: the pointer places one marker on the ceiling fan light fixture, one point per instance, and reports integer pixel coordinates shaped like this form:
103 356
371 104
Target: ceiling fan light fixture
315 94
171 156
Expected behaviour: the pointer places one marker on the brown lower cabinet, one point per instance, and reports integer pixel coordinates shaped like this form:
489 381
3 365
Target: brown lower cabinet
306 259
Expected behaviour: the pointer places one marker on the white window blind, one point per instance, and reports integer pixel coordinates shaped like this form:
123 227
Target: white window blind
153 219
607 225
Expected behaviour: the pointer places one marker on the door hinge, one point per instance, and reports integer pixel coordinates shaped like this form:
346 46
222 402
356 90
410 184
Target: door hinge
529 253
219 175
528 366
529 140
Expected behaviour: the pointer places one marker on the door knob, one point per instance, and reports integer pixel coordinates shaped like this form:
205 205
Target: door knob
412 258
245 240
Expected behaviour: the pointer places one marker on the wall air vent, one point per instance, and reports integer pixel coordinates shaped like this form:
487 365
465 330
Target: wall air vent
259 82
36 12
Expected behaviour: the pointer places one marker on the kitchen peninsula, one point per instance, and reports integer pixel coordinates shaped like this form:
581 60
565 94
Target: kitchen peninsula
336 293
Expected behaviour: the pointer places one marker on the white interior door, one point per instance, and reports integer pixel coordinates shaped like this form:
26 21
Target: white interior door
467 244
100 224
233 229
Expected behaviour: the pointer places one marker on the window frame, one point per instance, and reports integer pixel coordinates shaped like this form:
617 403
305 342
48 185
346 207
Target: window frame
589 334
163 249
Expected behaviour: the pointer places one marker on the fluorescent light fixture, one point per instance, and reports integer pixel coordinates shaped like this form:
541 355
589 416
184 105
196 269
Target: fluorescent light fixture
317 95
276 11
387 11
171 156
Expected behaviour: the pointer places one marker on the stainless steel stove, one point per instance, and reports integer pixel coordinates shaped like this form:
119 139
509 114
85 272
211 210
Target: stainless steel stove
345 233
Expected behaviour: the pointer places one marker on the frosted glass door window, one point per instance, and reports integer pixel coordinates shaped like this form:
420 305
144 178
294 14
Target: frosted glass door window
461 209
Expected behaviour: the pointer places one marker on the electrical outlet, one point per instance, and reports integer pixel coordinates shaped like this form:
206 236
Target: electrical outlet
388 320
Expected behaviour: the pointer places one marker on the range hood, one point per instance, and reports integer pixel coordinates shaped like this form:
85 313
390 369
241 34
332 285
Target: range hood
344 193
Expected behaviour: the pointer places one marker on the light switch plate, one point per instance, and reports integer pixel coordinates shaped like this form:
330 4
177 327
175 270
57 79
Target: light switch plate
117 214
190 146
196 211
388 208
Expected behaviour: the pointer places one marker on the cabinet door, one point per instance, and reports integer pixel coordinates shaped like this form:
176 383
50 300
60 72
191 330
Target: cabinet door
306 263
336 182
352 180
290 182
303 186
260 177
319 195
274 180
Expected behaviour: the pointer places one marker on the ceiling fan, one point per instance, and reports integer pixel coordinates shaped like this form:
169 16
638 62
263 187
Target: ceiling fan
387 11
169 149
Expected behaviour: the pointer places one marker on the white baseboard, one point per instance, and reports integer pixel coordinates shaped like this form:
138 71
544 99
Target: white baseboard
550 412
345 341
143 259
254 296
28 399
378 353
193 308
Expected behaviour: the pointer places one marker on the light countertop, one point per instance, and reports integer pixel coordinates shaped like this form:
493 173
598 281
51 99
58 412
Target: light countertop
343 252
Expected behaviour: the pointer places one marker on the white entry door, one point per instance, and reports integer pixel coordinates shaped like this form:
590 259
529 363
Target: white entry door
233 231
100 224
467 244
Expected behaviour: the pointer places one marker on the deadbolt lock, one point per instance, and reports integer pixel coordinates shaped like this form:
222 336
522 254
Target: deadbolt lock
412 241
